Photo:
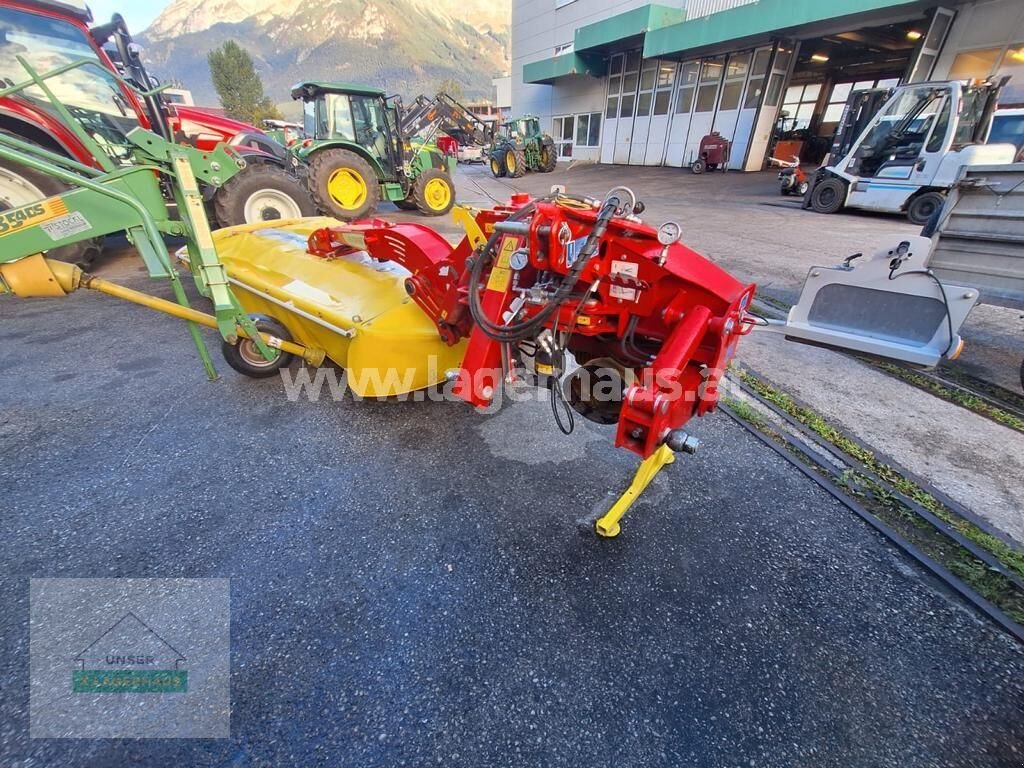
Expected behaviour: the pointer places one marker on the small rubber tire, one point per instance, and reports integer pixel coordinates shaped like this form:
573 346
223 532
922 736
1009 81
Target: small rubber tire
548 159
419 192
517 168
327 162
245 358
497 166
231 203
24 184
923 207
801 188
829 196
698 166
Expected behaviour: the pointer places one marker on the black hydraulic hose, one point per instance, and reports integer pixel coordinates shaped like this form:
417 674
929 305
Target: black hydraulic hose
517 331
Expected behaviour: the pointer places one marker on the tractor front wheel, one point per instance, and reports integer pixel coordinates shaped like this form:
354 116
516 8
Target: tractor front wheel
20 186
434 192
515 163
497 165
343 184
261 192
548 159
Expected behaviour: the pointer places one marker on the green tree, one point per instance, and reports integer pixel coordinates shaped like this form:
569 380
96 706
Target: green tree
238 86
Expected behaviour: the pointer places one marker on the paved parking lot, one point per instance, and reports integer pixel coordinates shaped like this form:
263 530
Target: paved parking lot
410 586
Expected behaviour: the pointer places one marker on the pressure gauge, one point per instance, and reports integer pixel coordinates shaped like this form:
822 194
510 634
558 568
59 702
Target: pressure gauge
519 259
669 233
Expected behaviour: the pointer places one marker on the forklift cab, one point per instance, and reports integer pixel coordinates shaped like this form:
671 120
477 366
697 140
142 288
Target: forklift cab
910 153
353 115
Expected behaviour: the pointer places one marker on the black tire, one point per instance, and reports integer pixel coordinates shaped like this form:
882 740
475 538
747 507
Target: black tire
801 188
923 207
548 159
406 205
20 186
261 192
429 201
324 165
245 358
514 162
829 195
698 166
497 165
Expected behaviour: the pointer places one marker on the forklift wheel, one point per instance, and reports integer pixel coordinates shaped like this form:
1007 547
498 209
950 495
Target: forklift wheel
828 196
698 166
245 357
923 207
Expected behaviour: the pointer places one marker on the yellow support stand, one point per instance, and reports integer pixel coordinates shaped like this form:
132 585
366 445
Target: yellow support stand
608 525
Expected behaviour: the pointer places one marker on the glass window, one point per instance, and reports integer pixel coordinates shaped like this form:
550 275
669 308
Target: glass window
771 97
615 65
833 113
626 106
782 59
685 101
661 99
738 65
840 93
754 90
689 73
761 59
594 132
940 23
731 95
567 128
340 118
712 70
633 61
974 64
647 79
614 83
629 83
613 107
706 95
643 105
582 122
666 75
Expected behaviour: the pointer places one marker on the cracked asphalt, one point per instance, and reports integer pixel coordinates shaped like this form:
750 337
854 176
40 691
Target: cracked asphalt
410 584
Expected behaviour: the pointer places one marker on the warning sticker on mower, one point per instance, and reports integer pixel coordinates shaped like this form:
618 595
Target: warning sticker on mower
500 272
625 272
31 215
66 226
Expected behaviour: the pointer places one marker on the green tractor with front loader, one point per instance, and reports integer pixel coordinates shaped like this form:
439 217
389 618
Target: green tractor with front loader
521 146
358 154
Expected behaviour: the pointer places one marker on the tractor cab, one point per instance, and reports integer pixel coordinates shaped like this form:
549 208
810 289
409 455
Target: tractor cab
521 129
353 114
358 154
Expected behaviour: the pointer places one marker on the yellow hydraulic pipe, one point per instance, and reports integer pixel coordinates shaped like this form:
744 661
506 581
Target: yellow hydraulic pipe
36 276
608 525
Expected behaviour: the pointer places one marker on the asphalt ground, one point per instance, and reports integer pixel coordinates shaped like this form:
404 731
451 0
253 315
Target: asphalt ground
410 584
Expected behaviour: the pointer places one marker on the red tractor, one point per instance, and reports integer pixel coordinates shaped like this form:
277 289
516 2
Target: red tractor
51 33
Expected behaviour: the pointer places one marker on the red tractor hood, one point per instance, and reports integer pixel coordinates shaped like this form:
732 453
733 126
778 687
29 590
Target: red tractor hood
206 128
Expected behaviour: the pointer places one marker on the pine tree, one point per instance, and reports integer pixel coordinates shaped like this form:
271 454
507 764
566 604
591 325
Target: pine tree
238 86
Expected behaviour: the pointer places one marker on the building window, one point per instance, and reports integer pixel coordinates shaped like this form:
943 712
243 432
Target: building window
588 130
687 86
563 49
758 70
562 132
663 88
735 75
841 94
710 77
798 106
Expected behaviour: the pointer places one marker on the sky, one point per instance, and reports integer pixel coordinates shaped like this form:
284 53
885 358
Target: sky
138 13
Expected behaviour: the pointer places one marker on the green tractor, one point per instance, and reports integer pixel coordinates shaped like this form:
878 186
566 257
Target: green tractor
359 155
521 146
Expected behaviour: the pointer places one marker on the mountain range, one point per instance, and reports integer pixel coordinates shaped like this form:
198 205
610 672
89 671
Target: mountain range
403 46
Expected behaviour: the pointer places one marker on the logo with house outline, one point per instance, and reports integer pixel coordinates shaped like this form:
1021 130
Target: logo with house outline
129 657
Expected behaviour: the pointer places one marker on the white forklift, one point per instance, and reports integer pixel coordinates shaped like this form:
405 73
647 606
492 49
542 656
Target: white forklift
912 151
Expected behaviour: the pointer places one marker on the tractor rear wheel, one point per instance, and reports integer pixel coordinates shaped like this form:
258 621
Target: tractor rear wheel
828 195
261 192
548 159
497 163
434 192
515 162
20 186
343 184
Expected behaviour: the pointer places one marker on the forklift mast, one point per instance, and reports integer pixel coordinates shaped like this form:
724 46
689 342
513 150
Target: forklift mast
860 109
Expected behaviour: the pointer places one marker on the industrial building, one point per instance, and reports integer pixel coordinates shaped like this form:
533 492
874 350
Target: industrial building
628 82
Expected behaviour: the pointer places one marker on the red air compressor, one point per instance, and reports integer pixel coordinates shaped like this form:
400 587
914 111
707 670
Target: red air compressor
713 153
